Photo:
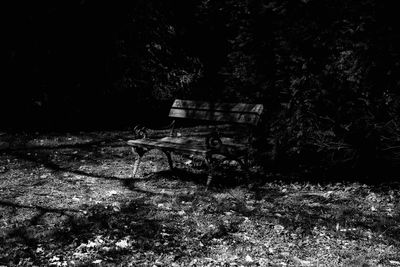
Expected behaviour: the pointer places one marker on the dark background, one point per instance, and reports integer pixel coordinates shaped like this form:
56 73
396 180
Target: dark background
327 72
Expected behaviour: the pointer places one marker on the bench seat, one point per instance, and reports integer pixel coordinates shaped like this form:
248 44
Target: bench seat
214 142
189 145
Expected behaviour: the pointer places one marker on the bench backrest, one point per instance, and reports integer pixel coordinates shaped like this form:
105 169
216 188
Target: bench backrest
218 112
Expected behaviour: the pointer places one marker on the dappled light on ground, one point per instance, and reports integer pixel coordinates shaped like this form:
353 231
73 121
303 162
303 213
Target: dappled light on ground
74 202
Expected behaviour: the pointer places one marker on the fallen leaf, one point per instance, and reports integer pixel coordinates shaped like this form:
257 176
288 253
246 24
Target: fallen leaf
278 228
233 163
301 262
116 206
106 249
248 259
181 212
285 254
122 244
55 258
112 192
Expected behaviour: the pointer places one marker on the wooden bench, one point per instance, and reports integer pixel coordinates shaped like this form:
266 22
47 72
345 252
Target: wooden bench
213 142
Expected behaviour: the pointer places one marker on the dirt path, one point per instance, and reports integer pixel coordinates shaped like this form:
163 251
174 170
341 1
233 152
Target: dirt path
70 200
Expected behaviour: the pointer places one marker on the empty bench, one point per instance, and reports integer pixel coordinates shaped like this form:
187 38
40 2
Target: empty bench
213 142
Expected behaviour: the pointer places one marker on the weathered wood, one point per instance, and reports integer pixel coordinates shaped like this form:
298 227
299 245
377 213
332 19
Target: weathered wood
172 143
217 116
170 162
210 164
218 112
185 144
140 153
209 145
225 107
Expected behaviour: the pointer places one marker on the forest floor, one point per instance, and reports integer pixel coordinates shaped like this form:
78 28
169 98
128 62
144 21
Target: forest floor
70 200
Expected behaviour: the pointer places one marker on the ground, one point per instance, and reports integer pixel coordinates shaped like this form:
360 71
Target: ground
71 200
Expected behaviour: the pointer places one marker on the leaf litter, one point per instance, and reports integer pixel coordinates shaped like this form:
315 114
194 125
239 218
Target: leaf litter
71 200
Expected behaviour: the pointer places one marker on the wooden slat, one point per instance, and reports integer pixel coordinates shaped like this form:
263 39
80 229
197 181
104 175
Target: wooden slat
217 116
171 143
223 107
190 145
219 112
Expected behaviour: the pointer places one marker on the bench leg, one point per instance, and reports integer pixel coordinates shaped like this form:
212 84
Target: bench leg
244 165
210 165
246 168
170 162
140 152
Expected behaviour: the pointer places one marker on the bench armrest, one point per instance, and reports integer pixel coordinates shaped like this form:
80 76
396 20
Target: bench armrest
213 140
141 131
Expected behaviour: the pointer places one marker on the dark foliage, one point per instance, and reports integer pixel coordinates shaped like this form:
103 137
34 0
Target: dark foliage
326 71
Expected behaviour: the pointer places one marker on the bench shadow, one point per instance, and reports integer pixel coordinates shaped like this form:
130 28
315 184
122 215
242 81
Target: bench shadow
43 159
40 208
180 177
224 178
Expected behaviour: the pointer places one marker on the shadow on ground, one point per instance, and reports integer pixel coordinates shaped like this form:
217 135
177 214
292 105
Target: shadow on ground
71 158
78 204
112 234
